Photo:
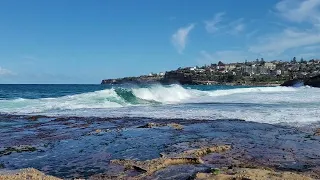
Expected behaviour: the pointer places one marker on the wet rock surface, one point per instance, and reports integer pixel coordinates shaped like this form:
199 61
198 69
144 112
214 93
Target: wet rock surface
29 173
252 174
17 149
309 81
155 125
149 167
317 132
77 147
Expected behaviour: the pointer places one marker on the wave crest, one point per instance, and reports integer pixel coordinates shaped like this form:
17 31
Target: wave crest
124 97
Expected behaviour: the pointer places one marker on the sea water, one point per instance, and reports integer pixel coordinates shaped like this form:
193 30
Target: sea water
90 125
273 105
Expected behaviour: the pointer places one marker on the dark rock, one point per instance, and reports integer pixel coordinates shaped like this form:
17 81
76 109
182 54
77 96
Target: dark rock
151 125
17 149
317 132
293 83
133 80
35 118
311 81
192 156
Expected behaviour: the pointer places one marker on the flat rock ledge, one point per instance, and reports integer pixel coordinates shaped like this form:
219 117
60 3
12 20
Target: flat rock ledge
229 174
187 157
154 125
149 167
25 174
252 174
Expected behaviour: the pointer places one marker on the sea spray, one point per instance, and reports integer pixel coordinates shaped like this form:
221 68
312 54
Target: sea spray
259 104
158 93
116 97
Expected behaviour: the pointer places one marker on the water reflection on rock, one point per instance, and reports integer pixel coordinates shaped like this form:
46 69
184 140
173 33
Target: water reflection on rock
76 147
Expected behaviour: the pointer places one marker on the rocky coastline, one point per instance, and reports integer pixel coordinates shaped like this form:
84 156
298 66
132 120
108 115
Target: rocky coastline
310 81
256 73
184 80
144 80
142 148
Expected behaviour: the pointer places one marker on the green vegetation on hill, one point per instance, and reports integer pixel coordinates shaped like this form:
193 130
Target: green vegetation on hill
258 72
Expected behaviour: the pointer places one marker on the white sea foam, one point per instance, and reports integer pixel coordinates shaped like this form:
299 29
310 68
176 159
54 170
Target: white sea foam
172 94
260 104
250 90
91 100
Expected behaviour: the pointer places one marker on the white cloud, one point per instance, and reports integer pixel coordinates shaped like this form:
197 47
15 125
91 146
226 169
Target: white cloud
239 28
212 25
299 10
236 26
219 24
288 39
5 72
180 38
300 37
296 11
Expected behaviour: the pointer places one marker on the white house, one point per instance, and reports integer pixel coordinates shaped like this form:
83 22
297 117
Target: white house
270 66
230 67
279 72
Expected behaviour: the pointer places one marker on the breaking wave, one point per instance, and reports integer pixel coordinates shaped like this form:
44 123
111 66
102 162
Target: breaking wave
259 104
124 97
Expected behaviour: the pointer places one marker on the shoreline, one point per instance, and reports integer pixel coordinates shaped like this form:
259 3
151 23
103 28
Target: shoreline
97 147
204 83
254 85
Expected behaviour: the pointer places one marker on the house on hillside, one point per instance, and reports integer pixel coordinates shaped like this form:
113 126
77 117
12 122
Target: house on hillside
230 67
270 65
220 66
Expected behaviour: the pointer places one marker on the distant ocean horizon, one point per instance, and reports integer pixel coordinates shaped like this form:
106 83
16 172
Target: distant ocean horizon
273 105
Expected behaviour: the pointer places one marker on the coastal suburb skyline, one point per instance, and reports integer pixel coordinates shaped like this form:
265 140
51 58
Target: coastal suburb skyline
71 41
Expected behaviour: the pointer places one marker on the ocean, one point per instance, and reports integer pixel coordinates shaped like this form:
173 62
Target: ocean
274 105
85 131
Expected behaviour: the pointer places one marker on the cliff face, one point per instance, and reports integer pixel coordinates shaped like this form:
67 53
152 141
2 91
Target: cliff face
171 77
180 76
311 81
293 83
133 80
177 77
191 77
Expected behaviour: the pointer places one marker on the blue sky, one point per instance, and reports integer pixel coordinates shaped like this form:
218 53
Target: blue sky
77 41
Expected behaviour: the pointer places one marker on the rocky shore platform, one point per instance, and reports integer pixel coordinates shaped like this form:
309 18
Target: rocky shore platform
142 148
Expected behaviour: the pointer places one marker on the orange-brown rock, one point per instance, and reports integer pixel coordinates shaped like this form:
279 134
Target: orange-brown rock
252 174
187 157
25 174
